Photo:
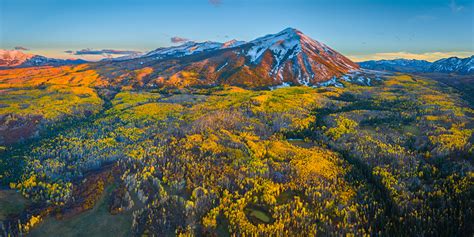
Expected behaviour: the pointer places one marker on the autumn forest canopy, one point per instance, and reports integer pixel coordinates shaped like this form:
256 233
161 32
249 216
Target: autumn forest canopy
115 156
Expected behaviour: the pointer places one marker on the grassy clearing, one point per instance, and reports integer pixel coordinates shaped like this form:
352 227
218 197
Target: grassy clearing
11 202
95 222
258 215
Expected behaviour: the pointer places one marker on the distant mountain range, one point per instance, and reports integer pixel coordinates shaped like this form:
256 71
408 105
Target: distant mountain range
462 66
16 58
285 58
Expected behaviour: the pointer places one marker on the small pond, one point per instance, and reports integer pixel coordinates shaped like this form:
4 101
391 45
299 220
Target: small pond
258 215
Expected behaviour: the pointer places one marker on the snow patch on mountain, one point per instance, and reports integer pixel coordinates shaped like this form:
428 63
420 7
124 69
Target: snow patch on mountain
361 77
283 85
221 67
125 57
332 82
190 48
285 44
185 49
232 43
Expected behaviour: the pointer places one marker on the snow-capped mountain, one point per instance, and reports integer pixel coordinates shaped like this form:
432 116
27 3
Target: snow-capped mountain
12 58
125 57
38 60
16 58
288 57
190 48
447 65
294 55
185 49
454 65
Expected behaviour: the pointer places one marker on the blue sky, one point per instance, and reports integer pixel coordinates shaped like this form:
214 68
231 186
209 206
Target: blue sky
361 29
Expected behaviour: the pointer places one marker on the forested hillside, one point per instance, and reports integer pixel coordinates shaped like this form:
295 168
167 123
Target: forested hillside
395 158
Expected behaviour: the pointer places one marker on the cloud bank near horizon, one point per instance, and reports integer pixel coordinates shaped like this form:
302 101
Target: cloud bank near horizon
95 55
101 52
21 48
177 39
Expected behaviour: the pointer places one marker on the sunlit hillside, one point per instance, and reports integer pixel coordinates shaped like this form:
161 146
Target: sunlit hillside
224 160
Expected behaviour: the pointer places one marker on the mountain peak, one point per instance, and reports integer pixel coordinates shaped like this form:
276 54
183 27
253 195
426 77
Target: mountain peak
279 43
232 43
290 31
293 52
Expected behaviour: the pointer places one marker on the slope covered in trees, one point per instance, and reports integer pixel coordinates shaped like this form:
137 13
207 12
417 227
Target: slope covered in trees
389 159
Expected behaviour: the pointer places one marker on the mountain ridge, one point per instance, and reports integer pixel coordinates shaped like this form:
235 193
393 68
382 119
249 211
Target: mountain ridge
463 66
287 57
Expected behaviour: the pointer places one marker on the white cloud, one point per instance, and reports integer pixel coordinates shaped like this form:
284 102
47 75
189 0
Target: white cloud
428 56
455 7
215 2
